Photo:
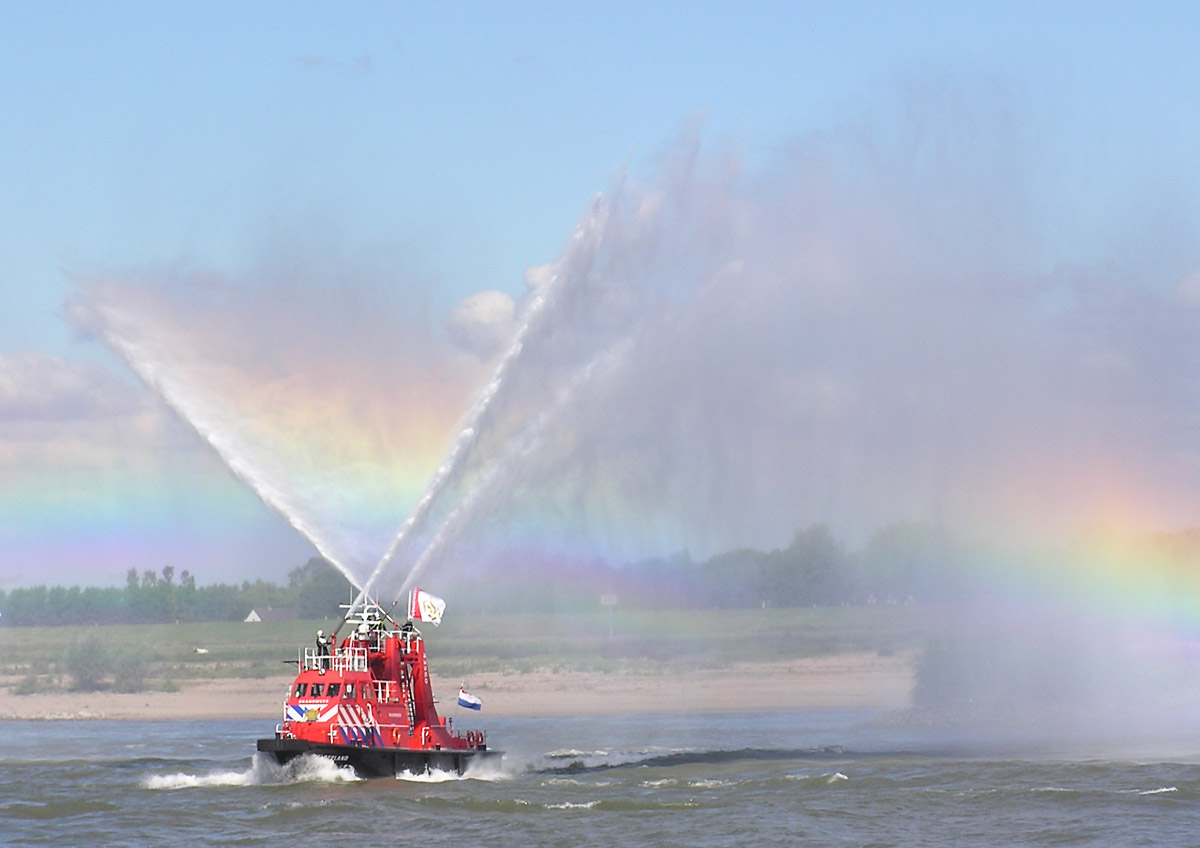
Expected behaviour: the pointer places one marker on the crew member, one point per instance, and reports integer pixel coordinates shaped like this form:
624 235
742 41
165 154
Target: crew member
322 650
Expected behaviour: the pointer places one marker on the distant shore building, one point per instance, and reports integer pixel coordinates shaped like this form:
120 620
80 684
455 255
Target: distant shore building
273 614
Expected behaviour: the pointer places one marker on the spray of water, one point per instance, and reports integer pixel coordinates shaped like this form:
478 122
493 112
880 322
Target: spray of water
221 432
574 265
519 449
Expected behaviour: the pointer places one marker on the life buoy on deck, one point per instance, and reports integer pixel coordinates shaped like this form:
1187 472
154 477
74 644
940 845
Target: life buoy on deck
472 738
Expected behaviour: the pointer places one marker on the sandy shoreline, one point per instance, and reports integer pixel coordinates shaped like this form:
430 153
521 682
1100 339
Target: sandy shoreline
845 681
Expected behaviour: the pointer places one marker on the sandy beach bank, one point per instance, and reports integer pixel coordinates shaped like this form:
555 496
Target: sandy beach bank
850 680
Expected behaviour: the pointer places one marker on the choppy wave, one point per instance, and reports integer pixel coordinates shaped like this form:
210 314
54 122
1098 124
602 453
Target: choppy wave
572 781
55 810
592 762
819 779
573 753
711 788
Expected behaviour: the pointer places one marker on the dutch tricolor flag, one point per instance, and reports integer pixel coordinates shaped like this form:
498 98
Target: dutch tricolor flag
466 699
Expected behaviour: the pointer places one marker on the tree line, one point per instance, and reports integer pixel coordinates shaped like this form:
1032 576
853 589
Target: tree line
897 564
313 590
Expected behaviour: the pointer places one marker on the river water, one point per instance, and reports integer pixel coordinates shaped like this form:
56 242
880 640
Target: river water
790 778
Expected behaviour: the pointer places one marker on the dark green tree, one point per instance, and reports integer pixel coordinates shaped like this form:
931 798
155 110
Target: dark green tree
318 589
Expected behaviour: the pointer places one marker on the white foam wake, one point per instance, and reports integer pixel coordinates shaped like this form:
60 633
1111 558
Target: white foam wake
262 772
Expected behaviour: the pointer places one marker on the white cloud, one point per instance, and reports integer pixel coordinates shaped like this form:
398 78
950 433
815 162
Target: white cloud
539 275
38 387
483 323
61 415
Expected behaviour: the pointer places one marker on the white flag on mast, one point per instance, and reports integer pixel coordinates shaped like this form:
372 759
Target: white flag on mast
426 607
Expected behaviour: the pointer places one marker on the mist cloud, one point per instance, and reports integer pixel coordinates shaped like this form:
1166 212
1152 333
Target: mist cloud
865 330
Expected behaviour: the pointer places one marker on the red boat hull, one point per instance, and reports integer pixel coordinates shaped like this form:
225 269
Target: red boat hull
379 761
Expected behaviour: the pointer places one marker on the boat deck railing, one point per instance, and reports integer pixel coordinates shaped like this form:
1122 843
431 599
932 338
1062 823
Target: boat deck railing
393 733
343 659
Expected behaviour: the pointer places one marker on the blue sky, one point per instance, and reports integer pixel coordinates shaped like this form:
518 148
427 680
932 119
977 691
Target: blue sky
471 136
462 141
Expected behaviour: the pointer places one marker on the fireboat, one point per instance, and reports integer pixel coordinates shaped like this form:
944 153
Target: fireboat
366 701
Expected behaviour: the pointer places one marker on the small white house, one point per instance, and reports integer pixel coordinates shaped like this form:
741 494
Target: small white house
273 614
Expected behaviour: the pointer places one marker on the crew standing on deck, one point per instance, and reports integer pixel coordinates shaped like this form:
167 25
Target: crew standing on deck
322 649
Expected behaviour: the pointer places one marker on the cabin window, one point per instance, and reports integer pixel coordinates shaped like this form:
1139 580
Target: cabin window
349 693
333 689
300 687
316 690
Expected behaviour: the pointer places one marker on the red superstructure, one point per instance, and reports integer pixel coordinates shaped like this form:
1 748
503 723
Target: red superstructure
366 700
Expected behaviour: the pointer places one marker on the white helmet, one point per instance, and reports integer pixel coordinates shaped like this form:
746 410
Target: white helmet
320 632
